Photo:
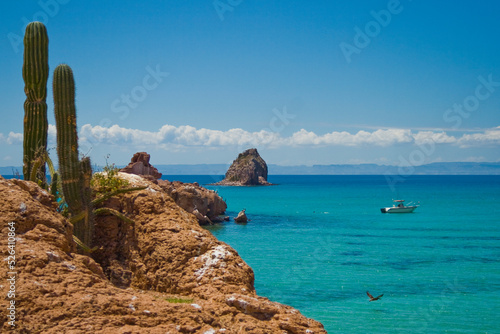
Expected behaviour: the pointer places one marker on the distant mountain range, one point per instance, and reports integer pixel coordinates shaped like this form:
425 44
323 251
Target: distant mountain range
438 168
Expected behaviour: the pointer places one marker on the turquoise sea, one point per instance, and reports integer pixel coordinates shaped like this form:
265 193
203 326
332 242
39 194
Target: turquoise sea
318 243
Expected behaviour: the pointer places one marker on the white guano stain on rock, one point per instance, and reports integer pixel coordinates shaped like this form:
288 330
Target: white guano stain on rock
212 259
22 207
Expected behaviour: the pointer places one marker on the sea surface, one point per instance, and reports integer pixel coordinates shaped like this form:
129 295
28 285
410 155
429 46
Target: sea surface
318 243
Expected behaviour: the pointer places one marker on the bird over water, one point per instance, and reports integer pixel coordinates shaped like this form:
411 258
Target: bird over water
373 298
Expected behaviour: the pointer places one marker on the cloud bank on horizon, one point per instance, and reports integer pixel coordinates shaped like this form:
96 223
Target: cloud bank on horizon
182 138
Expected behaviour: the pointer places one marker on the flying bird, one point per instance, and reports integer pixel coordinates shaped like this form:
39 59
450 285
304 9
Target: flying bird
373 298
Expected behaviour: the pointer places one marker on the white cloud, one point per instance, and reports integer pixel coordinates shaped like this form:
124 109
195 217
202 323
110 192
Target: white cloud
189 136
344 138
181 136
52 134
172 138
116 135
487 138
12 138
425 137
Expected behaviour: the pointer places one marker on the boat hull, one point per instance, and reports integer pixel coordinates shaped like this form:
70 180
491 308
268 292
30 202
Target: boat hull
406 209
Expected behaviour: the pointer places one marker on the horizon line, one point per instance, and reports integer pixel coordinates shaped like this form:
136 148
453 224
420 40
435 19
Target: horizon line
313 165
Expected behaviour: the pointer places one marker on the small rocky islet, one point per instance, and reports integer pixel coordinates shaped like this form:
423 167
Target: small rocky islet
248 169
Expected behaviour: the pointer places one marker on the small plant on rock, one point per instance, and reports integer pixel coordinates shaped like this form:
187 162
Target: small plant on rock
107 180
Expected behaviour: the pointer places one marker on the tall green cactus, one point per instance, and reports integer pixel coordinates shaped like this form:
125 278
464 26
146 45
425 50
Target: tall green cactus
35 75
67 138
75 174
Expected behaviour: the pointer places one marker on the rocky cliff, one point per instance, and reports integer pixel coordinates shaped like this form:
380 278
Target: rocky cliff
161 274
249 169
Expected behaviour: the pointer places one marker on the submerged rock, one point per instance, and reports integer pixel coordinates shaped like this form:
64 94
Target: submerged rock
249 169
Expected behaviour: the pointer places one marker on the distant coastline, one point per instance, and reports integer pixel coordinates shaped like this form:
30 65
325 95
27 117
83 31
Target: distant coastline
438 168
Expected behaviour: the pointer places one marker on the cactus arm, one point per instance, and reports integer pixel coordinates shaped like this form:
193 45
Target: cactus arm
48 160
83 246
36 165
116 192
105 211
54 185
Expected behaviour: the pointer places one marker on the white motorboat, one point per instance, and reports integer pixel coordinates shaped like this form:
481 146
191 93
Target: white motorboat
399 207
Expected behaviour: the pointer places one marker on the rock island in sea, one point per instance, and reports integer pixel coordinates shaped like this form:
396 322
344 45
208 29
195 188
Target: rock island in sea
249 169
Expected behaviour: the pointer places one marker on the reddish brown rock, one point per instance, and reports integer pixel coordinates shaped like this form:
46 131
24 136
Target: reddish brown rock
162 274
205 204
140 165
249 169
242 217
166 249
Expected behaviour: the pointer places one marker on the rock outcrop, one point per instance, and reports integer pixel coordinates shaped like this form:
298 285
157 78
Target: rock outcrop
161 274
242 217
249 169
140 165
205 204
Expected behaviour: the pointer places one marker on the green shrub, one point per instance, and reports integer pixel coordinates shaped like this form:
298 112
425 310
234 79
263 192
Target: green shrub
108 181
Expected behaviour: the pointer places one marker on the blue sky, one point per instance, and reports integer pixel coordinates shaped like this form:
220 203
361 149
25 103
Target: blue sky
306 82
